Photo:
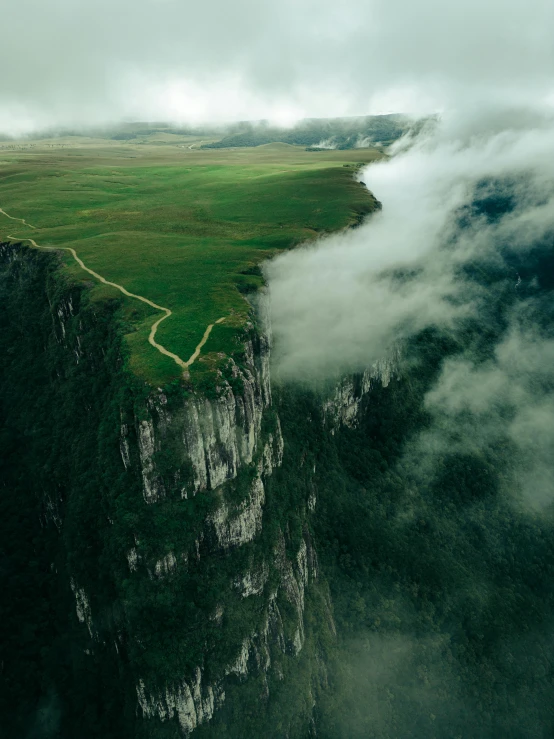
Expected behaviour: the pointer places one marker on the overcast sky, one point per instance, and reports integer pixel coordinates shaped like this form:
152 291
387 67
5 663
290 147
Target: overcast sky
75 61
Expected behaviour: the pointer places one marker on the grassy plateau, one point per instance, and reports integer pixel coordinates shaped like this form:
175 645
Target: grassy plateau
182 226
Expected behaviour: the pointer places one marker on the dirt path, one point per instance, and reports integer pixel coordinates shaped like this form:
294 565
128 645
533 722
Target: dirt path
21 220
154 327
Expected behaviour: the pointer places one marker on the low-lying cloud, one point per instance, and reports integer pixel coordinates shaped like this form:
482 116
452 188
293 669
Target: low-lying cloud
342 303
500 410
428 261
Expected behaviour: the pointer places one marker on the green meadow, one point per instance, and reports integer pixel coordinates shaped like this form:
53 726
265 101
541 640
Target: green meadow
182 226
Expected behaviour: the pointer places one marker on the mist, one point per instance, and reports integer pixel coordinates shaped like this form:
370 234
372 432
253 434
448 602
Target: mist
439 527
69 64
342 303
349 300
442 554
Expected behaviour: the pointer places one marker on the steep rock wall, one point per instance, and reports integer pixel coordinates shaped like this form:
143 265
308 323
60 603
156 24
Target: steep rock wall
179 525
61 386
217 435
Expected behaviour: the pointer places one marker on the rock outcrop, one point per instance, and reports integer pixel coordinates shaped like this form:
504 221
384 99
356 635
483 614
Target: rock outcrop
344 404
218 435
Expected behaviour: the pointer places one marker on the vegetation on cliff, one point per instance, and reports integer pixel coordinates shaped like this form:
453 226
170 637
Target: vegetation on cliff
60 477
104 589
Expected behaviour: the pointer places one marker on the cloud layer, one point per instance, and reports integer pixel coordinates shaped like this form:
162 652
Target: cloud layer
342 303
69 62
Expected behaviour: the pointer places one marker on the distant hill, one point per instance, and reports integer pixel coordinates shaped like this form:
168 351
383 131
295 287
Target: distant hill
360 132
321 133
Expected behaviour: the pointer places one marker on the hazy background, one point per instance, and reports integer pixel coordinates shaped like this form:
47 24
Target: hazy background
69 62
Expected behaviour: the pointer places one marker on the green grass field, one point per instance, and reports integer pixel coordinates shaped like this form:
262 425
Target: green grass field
183 227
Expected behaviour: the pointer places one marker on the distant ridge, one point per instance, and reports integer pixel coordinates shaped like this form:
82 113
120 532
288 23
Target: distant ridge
312 133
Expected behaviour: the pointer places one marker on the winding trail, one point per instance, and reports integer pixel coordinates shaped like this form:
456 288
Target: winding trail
21 220
152 336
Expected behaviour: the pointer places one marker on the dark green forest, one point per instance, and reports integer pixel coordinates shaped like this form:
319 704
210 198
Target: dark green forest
56 426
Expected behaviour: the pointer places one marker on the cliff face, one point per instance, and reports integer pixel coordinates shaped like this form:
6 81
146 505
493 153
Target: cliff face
218 436
179 525
60 389
229 447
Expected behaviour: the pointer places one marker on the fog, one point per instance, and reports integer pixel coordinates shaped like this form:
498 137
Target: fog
71 63
339 305
447 628
357 297
450 633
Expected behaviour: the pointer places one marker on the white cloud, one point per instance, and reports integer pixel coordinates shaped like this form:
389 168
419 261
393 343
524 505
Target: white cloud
69 62
335 305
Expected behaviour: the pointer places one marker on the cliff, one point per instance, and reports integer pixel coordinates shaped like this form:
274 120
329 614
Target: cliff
175 528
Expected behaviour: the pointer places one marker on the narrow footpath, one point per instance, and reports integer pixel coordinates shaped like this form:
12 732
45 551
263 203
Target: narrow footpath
152 337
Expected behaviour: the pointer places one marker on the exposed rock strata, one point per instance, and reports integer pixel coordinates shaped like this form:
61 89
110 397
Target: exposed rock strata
190 702
218 435
194 702
345 404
